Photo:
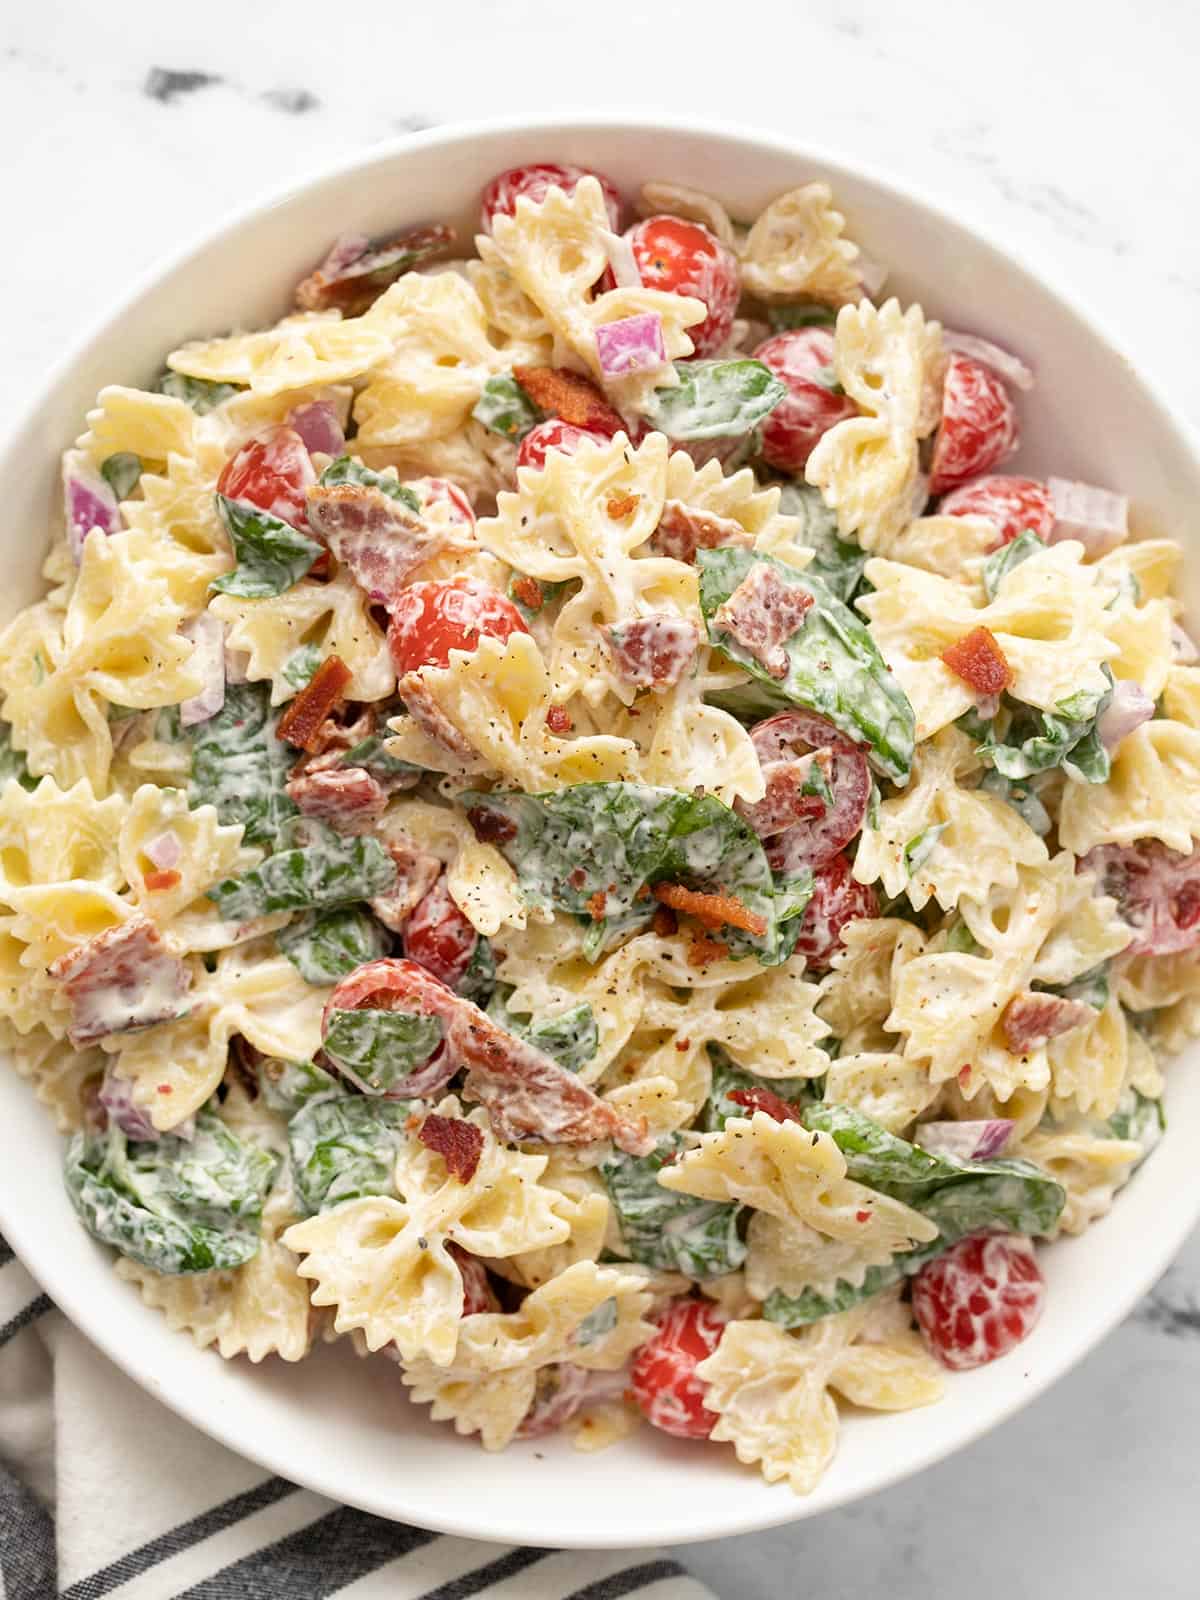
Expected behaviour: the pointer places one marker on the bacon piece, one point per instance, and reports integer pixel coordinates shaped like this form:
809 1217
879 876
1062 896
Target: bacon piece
760 1099
762 614
161 879
664 922
416 873
376 536
491 827
334 735
354 273
619 506
713 910
431 719
1031 1020
979 661
529 592
651 652
684 529
785 803
702 950
301 723
571 396
458 1142
478 1294
558 720
348 798
126 977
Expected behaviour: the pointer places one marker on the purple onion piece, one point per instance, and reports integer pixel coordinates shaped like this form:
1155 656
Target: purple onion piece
207 633
1096 517
116 1096
965 1141
318 425
631 344
88 502
1129 707
164 850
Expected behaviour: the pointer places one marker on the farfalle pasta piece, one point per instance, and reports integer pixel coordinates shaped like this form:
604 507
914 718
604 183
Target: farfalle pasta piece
383 1263
770 1389
867 468
492 1382
48 835
208 851
152 426
795 250
55 1071
858 990
1090 1167
1169 988
174 524
882 1085
29 997
1153 792
478 461
782 1169
334 616
1090 1066
939 838
256 1310
299 352
1049 619
953 547
481 883
584 1205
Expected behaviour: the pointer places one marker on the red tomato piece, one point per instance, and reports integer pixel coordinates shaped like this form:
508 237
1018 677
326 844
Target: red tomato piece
663 1378
440 491
1158 891
1013 504
806 829
838 898
979 1299
392 985
978 428
803 358
685 258
979 661
439 937
431 619
534 180
554 434
272 473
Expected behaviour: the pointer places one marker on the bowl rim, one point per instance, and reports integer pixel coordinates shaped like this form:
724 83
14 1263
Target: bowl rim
20 1228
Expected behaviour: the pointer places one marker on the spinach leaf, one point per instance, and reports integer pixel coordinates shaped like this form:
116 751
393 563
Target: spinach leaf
834 667
379 1049
715 399
674 1232
571 1037
505 408
801 314
300 666
1139 1118
176 1205
239 766
960 1197
324 946
922 845
1037 741
200 393
12 761
288 1085
838 562
122 472
591 848
1009 556
1093 988
373 758
272 556
479 980
334 871
344 1148
1022 797
718 1108
346 470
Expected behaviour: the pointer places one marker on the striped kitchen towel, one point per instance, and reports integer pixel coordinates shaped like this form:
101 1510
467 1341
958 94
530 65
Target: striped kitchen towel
107 1495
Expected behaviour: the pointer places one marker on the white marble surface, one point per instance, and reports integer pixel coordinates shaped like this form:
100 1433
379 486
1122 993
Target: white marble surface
1071 130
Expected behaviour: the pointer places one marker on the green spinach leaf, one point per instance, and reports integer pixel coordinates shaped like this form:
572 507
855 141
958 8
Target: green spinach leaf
334 871
571 1037
674 1232
715 399
346 470
379 1049
837 562
200 393
288 1085
240 767
504 408
324 946
343 1149
122 472
272 556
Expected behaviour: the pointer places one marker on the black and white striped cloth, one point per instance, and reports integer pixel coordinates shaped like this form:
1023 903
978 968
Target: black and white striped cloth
107 1495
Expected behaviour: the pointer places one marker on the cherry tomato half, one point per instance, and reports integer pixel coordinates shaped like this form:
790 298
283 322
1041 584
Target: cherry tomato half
663 1378
431 619
533 180
978 428
272 473
803 358
685 258
553 434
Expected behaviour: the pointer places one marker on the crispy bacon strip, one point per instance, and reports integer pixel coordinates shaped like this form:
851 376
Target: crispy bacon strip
682 530
491 827
354 274
348 798
651 652
979 661
1031 1020
377 537
762 614
785 803
126 977
713 910
458 1142
571 396
529 592
759 1099
431 719
301 723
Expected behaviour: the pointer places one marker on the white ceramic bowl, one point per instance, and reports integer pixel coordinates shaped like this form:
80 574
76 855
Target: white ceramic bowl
343 1426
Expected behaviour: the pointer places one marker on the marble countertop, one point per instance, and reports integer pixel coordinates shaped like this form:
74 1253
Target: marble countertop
139 125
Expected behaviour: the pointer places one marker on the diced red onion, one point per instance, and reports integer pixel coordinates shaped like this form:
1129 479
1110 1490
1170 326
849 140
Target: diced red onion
1098 518
116 1096
623 262
237 665
207 633
88 502
1006 365
631 344
344 252
1129 707
965 1141
164 850
318 425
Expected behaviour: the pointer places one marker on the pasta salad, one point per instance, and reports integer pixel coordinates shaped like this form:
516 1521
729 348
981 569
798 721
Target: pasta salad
562 817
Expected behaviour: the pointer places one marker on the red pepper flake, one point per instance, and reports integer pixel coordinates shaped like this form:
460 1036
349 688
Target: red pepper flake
577 877
160 879
979 661
164 1088
862 1216
301 723
529 592
702 950
594 906
665 922
759 1099
571 396
683 1044
619 506
459 1143
491 827
558 720
714 910
964 1075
